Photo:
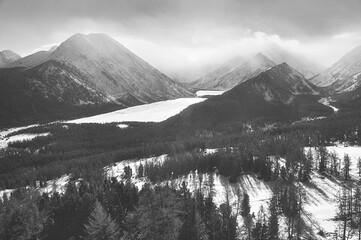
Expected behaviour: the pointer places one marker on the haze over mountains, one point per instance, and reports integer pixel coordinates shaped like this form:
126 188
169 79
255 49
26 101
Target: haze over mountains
227 76
240 69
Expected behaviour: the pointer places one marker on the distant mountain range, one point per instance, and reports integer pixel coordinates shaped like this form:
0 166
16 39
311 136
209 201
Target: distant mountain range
84 72
94 73
239 69
7 57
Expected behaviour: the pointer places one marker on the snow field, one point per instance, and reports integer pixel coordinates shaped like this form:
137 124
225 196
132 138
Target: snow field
153 112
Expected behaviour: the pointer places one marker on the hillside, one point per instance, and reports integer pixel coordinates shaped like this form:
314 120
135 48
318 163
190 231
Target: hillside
344 75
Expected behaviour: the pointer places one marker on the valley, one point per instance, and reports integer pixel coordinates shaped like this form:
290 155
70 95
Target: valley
264 147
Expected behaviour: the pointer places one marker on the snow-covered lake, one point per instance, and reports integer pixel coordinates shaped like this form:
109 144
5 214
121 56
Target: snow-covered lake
202 93
153 112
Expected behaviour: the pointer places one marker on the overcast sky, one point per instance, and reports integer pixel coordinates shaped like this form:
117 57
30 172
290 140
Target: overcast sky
176 35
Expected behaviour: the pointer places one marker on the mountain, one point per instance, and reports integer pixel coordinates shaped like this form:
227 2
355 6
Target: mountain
83 73
115 71
211 79
278 94
7 57
245 71
344 75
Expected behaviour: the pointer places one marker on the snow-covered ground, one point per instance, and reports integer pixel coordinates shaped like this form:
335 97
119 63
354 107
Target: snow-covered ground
4 140
320 194
117 169
354 152
308 119
328 102
153 112
202 93
56 185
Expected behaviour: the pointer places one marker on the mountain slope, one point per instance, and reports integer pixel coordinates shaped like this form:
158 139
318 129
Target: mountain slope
7 57
278 94
344 75
47 92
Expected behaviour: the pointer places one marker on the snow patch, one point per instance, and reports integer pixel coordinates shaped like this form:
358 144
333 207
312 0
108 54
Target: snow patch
5 140
117 169
202 93
55 185
122 126
327 102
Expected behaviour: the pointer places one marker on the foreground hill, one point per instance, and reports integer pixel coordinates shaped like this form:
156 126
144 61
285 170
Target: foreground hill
84 72
278 94
7 57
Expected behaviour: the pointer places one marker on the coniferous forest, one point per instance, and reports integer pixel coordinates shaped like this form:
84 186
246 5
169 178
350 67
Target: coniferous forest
95 205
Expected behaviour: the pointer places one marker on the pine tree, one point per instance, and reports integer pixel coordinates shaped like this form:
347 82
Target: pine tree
100 225
273 220
140 171
359 168
323 159
260 230
346 167
334 163
245 207
309 157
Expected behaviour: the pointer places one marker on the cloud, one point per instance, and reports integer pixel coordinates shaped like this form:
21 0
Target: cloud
348 36
190 33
